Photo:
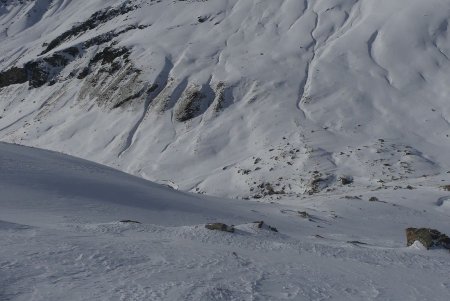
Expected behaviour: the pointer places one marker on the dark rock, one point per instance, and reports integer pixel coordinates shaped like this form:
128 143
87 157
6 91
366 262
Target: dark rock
352 197
262 225
109 54
446 187
13 76
356 242
92 22
73 51
267 189
374 199
346 180
220 227
245 171
304 214
45 70
273 229
190 105
85 72
105 37
430 238
152 88
40 71
129 98
202 19
314 185
128 221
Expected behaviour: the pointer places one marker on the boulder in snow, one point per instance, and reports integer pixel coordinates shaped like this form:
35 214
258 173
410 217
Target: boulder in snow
427 237
220 227
262 225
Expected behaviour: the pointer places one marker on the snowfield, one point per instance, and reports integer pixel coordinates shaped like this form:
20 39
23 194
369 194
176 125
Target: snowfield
326 119
62 239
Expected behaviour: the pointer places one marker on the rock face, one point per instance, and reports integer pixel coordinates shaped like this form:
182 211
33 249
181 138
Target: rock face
428 237
92 22
220 227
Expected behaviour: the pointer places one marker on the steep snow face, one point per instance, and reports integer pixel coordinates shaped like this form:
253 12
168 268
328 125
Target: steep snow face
234 98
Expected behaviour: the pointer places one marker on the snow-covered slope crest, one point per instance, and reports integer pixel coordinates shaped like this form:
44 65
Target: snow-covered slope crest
54 184
243 98
63 238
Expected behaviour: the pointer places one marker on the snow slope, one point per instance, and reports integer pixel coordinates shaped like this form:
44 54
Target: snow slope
306 109
62 239
226 96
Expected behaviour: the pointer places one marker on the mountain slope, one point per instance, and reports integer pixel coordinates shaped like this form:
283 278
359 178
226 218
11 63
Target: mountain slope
233 98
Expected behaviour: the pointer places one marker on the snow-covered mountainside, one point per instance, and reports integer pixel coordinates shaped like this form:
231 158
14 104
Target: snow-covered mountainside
62 239
237 98
328 119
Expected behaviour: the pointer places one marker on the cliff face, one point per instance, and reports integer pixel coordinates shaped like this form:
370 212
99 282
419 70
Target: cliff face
238 98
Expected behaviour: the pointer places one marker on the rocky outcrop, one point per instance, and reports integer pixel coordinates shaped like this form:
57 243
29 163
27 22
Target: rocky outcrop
346 180
446 187
110 62
40 71
13 76
429 238
319 183
109 54
189 105
220 227
262 225
92 22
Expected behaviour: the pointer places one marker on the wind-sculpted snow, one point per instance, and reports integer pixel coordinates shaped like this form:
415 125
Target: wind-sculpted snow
194 92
